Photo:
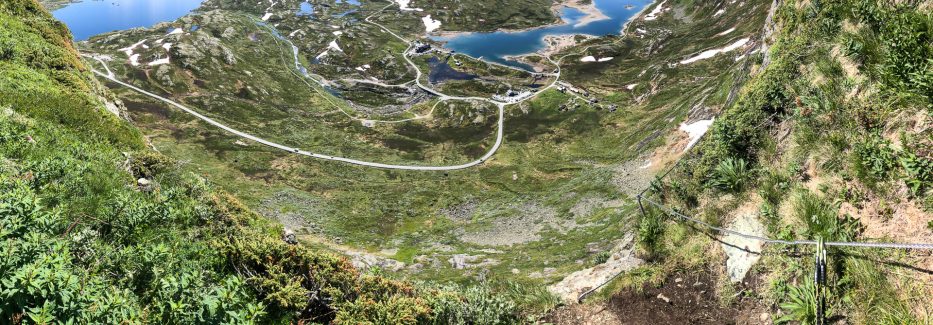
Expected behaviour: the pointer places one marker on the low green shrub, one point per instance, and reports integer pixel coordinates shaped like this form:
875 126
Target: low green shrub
800 304
84 244
473 305
601 257
149 163
731 175
651 230
774 186
874 159
918 174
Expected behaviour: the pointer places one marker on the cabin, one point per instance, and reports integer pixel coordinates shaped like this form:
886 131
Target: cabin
422 48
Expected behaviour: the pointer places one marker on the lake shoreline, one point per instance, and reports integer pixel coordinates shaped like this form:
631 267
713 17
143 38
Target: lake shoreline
592 13
592 19
88 18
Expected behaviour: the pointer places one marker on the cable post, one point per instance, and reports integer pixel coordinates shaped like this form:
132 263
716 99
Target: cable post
641 206
819 279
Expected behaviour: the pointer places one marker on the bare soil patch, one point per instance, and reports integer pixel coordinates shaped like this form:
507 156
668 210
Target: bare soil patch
686 297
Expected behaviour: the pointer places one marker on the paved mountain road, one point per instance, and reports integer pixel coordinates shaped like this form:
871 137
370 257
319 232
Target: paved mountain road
441 97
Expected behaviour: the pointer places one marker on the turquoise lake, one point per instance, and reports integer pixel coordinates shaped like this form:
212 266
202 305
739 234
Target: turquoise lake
91 17
497 45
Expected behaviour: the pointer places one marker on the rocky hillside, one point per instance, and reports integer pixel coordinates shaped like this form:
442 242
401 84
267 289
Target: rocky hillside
96 228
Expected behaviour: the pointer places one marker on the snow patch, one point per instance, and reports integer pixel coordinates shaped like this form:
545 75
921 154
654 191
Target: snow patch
726 31
403 4
695 131
292 34
720 12
266 16
656 12
175 31
430 24
631 86
167 46
158 62
129 50
594 59
333 45
711 53
338 33
134 60
319 56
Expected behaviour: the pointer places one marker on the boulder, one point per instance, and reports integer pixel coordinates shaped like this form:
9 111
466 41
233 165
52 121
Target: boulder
289 237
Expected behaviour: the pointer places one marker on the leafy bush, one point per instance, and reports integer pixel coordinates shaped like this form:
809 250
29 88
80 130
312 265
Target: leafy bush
37 280
474 305
897 46
601 257
918 173
650 230
148 163
874 159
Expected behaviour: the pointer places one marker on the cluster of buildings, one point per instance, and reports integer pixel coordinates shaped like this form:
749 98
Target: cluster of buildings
420 48
583 94
513 96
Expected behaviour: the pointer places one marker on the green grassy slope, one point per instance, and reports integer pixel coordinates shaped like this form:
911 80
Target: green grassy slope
82 241
40 73
831 140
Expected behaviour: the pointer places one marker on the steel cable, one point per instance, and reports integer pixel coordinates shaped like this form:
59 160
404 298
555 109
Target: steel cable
789 242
